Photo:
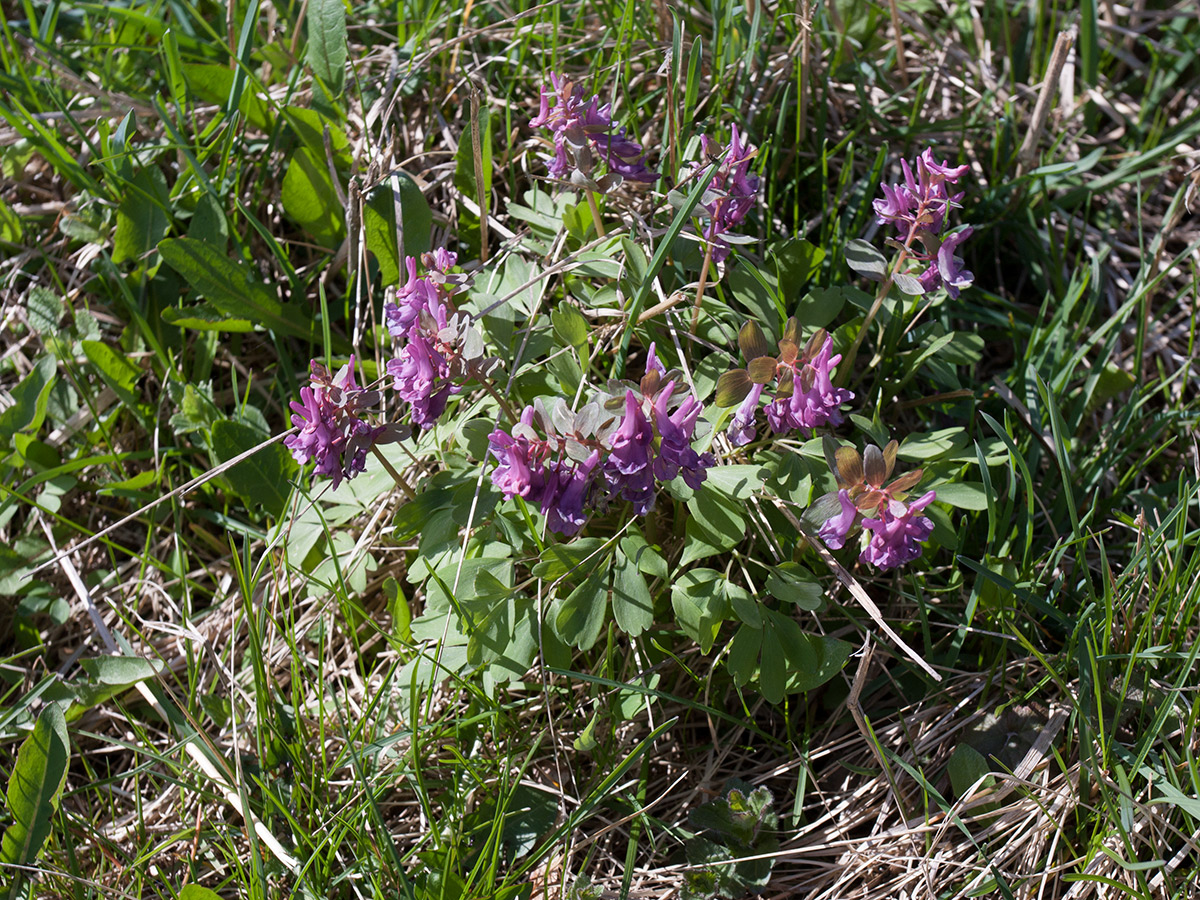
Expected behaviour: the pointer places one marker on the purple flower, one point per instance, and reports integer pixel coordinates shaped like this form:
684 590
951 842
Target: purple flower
731 194
331 430
917 208
741 428
814 400
566 513
896 535
631 443
419 318
583 129
837 528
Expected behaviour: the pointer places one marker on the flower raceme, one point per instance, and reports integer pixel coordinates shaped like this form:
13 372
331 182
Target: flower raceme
583 130
918 209
804 396
439 347
731 194
332 430
562 472
896 527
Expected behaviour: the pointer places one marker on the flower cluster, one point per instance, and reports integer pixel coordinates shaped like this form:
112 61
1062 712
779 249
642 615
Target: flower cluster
918 209
653 443
804 397
896 528
439 347
331 428
562 472
583 130
730 195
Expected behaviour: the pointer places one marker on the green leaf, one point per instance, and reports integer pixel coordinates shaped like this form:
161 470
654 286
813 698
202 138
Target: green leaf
825 657
120 671
142 217
310 198
864 259
231 287
719 519
818 308
570 327
327 43
195 892
261 480
34 787
793 583
413 516
699 600
920 447
205 317
966 766
208 223
559 559
43 309
579 619
30 398
738 482
633 607
742 660
384 239
10 224
796 261
115 368
963 494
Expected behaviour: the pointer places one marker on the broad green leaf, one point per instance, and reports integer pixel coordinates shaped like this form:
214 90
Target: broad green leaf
920 447
10 224
232 288
966 766
793 583
633 607
43 309
720 520
796 261
963 494
142 217
825 656
579 619
818 308
34 787
261 480
559 559
413 516
700 603
864 259
214 83
327 42
389 243
738 482
115 368
29 400
310 127
120 670
744 649
205 317
648 560
570 327
310 198
208 223
195 892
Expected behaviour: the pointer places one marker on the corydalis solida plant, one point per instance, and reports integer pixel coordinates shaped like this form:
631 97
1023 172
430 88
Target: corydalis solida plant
583 131
865 500
804 395
440 351
918 210
562 472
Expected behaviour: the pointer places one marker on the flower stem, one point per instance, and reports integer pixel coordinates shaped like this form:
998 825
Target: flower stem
846 366
700 288
591 195
396 476
504 405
